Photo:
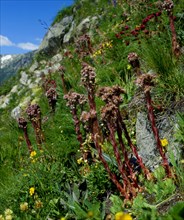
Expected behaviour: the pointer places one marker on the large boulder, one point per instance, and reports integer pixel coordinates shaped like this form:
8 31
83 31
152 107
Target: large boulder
16 112
56 58
34 66
87 25
69 36
146 143
54 37
24 78
4 101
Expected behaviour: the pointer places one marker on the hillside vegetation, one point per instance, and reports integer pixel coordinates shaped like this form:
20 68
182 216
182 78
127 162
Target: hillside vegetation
69 145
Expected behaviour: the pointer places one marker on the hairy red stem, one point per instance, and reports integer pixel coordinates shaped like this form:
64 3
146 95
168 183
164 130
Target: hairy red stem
156 133
106 166
37 132
126 159
134 149
77 128
95 125
28 142
119 162
63 84
175 45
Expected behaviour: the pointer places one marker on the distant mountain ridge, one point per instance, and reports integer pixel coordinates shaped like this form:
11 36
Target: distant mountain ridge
11 63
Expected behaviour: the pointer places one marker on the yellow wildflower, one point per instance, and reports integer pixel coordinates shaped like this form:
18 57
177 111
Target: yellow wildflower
164 142
99 52
122 216
1 217
90 214
80 160
31 191
24 206
33 154
129 67
8 217
38 204
62 218
8 212
96 165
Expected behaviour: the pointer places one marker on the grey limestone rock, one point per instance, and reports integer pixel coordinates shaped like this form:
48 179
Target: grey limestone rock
4 101
34 66
57 58
83 26
54 37
14 89
146 142
16 112
24 78
87 25
68 36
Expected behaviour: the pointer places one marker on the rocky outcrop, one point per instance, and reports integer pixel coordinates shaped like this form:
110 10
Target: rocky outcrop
65 32
87 25
54 37
69 36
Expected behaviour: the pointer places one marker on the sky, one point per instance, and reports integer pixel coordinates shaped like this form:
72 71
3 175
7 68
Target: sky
23 23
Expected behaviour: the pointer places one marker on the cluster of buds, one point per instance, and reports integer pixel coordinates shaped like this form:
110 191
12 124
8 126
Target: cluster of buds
111 94
137 30
109 114
147 19
34 114
146 81
86 118
48 83
73 100
168 5
88 76
49 86
23 125
33 111
83 46
51 95
133 59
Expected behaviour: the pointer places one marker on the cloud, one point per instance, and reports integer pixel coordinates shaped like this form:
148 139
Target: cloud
4 41
27 46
